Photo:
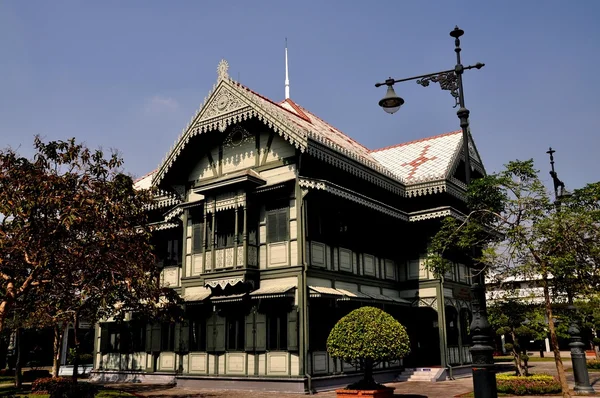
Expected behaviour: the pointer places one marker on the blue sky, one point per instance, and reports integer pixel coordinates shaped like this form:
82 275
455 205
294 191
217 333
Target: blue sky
130 74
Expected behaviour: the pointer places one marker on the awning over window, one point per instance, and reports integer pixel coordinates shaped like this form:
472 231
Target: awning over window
228 299
196 295
320 291
346 295
273 292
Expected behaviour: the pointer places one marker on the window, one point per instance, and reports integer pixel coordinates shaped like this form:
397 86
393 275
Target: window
277 325
198 237
235 333
278 225
133 337
167 334
225 229
171 252
198 335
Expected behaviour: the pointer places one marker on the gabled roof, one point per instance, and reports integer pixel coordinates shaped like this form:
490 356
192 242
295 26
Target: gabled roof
417 163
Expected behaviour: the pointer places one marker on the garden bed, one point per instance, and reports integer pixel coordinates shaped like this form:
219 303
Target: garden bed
539 384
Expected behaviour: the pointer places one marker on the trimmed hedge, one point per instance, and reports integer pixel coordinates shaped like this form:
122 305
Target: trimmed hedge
593 364
63 387
527 385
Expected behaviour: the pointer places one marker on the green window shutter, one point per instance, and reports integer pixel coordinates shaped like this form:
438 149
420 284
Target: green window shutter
261 332
272 227
148 337
282 225
155 342
185 336
249 338
104 339
197 235
210 333
177 339
219 333
292 330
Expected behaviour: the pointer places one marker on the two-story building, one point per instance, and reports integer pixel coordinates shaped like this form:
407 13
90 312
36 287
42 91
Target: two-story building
272 224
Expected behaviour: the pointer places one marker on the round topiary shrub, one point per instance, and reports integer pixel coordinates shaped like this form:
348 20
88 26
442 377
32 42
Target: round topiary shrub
366 337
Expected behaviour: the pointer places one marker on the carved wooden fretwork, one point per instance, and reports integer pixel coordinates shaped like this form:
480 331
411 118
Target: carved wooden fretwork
173 213
213 283
343 163
220 259
240 256
354 197
430 302
160 226
229 257
252 255
237 136
308 184
226 201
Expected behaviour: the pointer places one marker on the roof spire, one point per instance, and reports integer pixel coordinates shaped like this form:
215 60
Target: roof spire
287 80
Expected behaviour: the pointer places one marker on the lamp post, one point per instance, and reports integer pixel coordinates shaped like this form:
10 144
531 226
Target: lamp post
580 372
484 376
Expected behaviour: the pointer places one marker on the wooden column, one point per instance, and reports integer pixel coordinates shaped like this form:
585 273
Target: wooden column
205 237
235 238
213 241
245 233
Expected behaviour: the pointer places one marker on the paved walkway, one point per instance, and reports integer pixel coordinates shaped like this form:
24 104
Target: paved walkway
444 389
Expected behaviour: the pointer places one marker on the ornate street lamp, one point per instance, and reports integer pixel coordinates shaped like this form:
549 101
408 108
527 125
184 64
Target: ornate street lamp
484 375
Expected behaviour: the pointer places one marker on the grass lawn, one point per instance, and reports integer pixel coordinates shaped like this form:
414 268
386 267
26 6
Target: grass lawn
9 389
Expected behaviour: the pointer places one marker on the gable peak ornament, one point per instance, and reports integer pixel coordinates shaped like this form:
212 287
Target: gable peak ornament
222 69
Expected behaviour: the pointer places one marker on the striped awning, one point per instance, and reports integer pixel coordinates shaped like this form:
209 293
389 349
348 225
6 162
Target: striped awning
196 294
273 292
347 295
228 299
321 291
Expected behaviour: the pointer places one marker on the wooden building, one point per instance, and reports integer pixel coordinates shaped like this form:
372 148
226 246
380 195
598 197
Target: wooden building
271 224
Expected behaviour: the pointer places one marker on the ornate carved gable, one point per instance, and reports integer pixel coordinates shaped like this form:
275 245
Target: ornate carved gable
227 104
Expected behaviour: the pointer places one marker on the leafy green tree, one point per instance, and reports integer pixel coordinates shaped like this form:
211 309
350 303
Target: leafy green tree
520 231
74 236
522 322
366 337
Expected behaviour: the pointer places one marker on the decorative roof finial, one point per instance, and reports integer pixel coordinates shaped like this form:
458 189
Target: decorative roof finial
222 70
287 80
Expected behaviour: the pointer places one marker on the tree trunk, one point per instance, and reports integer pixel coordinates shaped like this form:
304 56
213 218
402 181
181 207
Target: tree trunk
76 348
18 365
58 340
516 355
369 372
562 378
4 309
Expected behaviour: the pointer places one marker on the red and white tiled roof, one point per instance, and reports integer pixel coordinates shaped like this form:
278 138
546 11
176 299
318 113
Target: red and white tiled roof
426 159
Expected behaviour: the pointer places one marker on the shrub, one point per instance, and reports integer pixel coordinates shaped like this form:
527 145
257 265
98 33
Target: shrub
594 364
366 337
34 374
527 385
63 387
596 341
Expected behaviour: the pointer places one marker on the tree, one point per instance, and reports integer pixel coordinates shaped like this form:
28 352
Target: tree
366 337
74 236
522 322
520 231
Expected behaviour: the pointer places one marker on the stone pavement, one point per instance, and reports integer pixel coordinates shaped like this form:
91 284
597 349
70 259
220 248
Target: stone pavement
413 389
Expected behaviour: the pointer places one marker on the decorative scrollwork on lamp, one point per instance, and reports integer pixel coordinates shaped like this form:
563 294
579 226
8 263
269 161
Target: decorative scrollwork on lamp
448 81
